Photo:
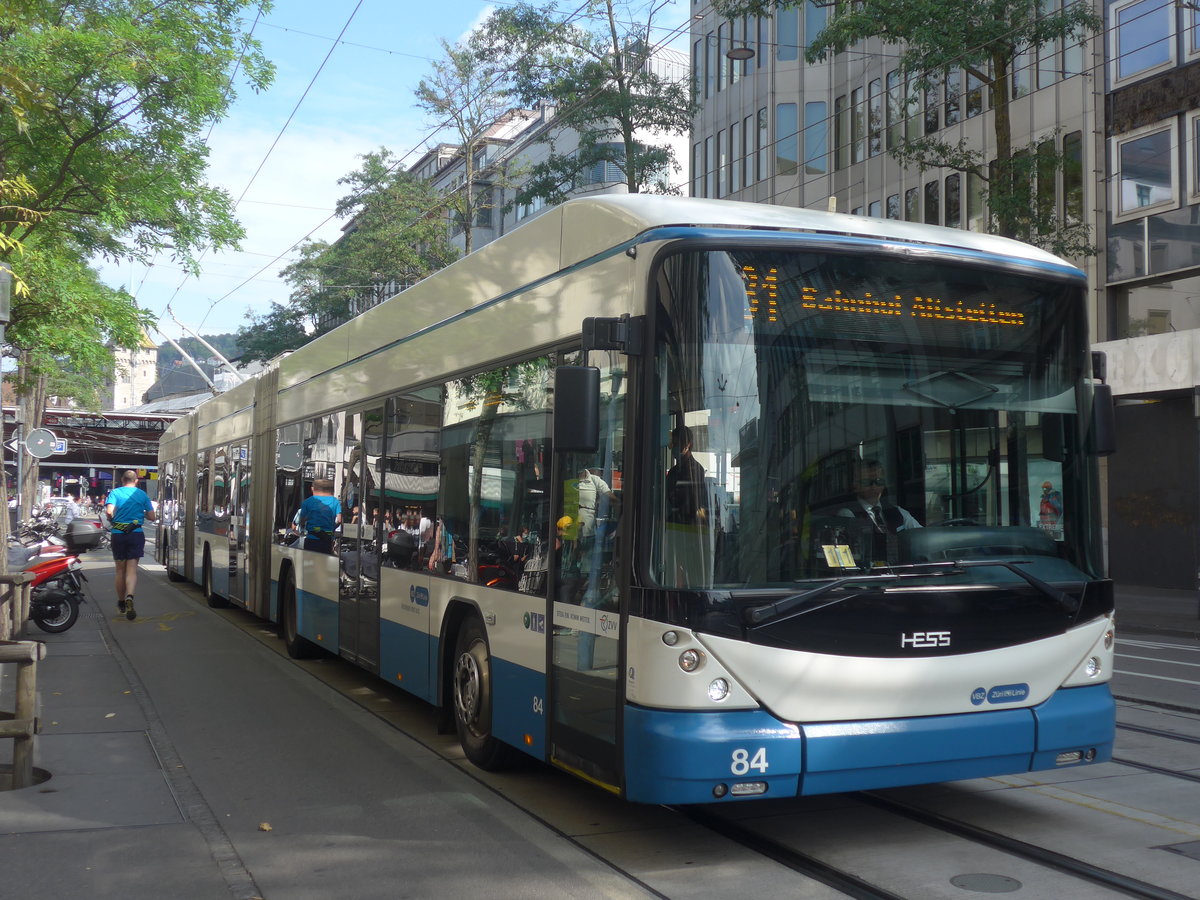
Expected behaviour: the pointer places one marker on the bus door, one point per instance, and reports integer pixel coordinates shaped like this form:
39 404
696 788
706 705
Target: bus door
358 544
586 687
239 495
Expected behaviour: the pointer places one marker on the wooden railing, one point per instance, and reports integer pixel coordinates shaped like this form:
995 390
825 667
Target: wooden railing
23 724
14 603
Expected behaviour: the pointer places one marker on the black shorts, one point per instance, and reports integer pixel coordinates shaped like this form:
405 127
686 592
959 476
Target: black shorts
131 545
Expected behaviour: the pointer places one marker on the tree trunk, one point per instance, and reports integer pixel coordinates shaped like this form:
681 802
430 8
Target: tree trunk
1003 186
35 413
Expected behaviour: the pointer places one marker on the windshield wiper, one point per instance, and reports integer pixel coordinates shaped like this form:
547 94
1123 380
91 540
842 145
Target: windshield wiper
760 614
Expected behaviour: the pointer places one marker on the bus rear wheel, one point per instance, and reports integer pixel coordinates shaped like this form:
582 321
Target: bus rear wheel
297 647
215 601
473 694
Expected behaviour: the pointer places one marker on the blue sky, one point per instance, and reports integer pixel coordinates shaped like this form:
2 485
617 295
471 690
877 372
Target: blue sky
361 99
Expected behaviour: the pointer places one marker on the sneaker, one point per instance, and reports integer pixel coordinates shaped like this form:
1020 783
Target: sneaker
129 613
120 606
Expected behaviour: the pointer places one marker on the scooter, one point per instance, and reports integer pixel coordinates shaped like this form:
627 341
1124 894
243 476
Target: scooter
57 590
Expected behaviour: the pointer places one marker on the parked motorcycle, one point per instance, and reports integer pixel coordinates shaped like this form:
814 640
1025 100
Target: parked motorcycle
57 588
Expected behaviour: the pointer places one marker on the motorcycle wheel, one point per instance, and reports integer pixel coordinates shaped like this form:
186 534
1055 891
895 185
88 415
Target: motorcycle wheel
56 622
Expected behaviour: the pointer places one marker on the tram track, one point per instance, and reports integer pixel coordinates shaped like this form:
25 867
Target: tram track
1116 881
854 886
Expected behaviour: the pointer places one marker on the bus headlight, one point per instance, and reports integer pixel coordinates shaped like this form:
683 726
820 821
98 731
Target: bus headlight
1092 667
690 660
718 690
670 638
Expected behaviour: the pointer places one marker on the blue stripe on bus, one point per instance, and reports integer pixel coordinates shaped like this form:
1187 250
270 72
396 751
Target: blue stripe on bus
317 619
679 757
404 655
1075 719
518 704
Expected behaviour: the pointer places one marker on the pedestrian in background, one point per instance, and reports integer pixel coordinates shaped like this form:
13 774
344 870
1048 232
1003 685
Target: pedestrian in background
127 507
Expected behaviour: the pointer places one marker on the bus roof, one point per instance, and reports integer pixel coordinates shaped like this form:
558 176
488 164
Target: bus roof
627 215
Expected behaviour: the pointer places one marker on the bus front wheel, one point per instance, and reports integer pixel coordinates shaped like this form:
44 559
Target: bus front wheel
473 695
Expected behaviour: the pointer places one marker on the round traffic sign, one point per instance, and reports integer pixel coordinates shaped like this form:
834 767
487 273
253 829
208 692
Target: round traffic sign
40 442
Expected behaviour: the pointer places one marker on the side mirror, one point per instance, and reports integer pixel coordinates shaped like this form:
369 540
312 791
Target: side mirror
576 409
1104 421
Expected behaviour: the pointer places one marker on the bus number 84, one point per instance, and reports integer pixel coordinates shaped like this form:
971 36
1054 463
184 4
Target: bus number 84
742 761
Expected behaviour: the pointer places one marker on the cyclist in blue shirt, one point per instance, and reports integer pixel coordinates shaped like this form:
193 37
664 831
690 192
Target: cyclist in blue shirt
320 514
127 507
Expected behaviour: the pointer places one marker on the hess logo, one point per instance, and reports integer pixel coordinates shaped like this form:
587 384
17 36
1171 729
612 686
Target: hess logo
920 639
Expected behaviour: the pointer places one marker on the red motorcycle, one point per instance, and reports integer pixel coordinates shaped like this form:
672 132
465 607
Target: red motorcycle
57 588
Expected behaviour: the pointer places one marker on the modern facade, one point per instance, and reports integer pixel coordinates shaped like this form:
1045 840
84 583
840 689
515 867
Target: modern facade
1122 105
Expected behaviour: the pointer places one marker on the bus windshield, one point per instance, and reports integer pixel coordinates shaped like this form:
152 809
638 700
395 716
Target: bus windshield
828 415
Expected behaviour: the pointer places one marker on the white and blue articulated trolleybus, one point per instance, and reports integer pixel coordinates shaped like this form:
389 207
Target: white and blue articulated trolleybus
697 500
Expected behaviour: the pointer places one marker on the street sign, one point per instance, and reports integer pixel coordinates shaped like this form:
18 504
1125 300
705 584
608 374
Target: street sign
40 442
11 445
60 446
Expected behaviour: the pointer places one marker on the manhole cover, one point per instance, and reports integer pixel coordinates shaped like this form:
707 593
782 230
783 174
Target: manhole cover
986 884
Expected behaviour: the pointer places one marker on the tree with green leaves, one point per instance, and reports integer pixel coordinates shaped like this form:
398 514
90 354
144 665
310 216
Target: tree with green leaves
63 331
464 94
597 70
396 237
986 39
104 106
114 146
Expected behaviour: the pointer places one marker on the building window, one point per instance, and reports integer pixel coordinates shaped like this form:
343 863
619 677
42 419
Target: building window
875 117
1147 175
974 95
932 103
976 209
1141 38
787 139
736 157
710 63
858 130
953 201
748 163
1073 176
787 33
698 169
893 206
953 97
722 60
709 168
1022 72
912 205
722 165
1192 25
841 133
816 138
1192 142
764 143
895 109
873 209
816 16
1047 178
763 41
933 212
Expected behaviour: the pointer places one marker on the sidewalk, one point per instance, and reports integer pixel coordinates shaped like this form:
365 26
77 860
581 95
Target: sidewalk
189 762
1163 611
